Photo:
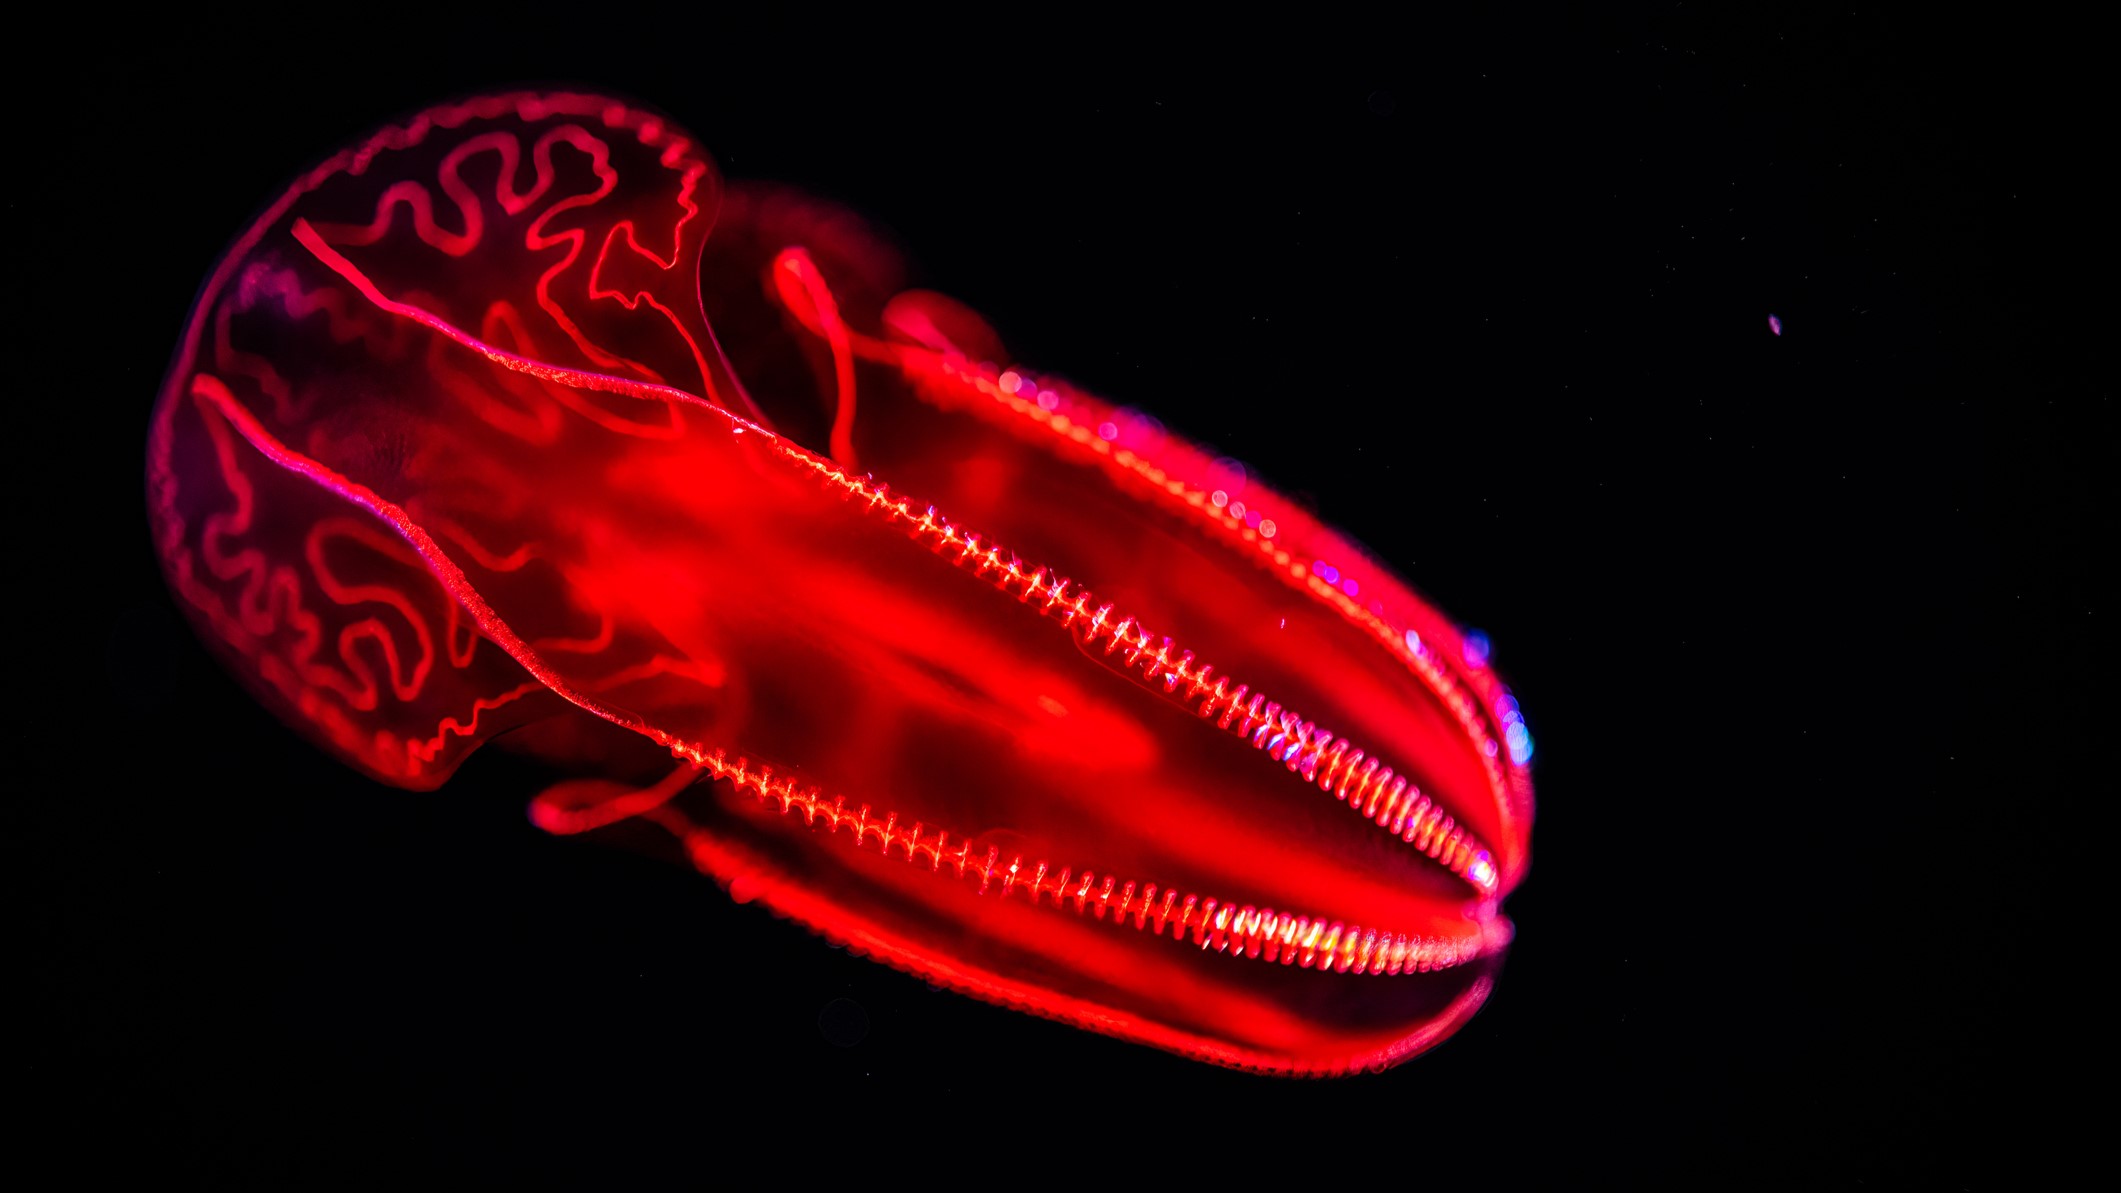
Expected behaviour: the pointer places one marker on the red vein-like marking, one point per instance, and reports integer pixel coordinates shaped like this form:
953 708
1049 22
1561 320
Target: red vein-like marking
418 200
674 152
405 687
557 374
420 753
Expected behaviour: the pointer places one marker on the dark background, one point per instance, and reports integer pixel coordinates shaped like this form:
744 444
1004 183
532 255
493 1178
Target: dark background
1806 626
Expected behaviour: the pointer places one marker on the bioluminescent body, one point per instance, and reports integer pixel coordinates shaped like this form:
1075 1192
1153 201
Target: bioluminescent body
512 424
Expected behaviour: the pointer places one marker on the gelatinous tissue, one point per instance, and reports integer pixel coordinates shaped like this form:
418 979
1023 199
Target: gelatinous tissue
514 423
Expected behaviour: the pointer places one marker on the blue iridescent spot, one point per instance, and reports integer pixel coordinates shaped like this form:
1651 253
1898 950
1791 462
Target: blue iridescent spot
1476 648
1519 739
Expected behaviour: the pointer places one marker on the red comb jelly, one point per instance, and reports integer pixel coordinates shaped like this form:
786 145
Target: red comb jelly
512 424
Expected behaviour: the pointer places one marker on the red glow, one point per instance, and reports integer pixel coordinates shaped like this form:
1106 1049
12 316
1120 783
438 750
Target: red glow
452 453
